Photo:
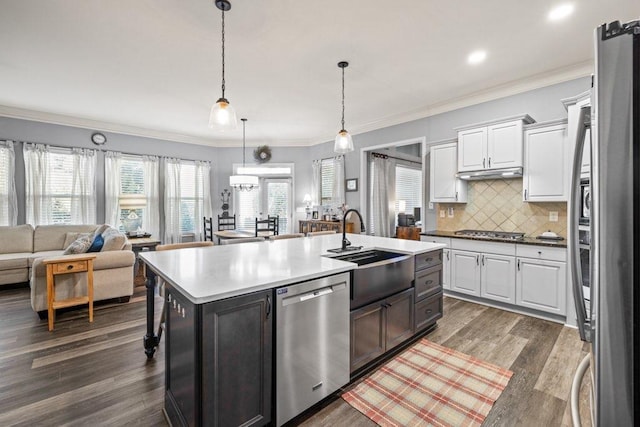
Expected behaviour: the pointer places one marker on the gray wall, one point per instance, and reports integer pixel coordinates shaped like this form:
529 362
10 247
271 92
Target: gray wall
542 104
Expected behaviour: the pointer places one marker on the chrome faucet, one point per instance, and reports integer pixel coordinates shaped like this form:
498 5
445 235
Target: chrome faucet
345 242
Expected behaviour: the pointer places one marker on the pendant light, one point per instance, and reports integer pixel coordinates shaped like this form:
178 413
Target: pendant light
344 143
243 182
223 116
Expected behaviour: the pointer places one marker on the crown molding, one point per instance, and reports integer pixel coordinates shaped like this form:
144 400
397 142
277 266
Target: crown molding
534 82
560 75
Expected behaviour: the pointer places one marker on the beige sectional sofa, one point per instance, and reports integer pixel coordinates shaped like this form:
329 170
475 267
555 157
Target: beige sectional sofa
22 249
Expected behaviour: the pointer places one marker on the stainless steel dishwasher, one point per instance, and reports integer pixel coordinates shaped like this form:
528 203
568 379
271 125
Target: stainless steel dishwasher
312 343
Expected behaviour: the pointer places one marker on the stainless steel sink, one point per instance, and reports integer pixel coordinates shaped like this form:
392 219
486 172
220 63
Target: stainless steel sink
379 275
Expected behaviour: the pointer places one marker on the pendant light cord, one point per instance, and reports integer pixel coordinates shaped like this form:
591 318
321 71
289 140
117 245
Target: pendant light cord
342 97
244 122
223 86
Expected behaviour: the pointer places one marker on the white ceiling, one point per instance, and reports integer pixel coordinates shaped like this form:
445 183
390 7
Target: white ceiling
153 67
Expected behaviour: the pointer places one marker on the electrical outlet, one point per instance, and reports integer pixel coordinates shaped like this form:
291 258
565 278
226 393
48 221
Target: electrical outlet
441 213
430 205
553 216
450 213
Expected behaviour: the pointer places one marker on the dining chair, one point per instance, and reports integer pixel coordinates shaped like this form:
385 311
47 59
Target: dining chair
167 247
208 228
276 222
286 236
226 222
242 240
266 227
320 233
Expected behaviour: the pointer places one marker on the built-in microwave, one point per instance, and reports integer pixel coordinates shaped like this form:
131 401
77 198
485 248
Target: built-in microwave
585 205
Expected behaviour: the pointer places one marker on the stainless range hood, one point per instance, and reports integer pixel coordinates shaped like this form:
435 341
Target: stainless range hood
490 174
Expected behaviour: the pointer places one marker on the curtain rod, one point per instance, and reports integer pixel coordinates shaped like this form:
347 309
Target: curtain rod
103 150
386 156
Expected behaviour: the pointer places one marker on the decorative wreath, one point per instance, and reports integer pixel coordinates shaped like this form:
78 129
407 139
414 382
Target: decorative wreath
262 154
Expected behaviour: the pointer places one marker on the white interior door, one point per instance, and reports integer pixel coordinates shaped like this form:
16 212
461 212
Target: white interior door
276 201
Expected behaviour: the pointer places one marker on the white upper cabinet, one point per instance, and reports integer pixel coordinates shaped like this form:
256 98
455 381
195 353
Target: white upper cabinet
444 186
546 163
493 145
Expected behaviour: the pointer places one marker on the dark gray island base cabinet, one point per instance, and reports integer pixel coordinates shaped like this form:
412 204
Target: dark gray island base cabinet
219 360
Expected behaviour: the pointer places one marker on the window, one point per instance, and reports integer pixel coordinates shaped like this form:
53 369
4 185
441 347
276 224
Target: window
187 198
327 175
8 203
60 185
132 200
191 196
408 189
272 198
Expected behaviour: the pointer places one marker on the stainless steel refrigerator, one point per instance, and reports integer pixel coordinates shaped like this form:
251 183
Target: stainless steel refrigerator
611 322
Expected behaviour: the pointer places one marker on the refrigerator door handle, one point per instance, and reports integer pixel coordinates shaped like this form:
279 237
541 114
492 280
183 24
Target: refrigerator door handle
584 324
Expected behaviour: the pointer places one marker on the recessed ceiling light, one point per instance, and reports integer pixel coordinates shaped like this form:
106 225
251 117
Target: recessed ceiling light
560 12
477 57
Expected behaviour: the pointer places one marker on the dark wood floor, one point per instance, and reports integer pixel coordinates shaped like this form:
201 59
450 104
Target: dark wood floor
97 374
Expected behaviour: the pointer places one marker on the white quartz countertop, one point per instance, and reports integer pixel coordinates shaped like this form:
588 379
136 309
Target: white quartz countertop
217 272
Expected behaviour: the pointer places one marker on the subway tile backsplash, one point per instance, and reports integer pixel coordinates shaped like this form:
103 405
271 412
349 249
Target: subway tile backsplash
496 205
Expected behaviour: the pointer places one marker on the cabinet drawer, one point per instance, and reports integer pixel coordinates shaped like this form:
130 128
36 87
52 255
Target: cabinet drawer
428 311
70 267
428 281
435 239
541 252
428 259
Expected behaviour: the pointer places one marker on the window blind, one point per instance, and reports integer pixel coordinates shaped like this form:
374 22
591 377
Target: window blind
278 198
327 174
247 209
60 181
132 193
191 193
4 185
408 189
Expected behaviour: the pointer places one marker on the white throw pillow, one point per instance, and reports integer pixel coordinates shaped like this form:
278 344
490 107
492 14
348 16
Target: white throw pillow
113 240
80 245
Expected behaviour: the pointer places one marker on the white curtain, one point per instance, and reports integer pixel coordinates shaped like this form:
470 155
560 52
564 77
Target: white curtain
172 232
316 179
151 215
36 165
8 197
112 161
203 206
380 197
83 187
338 181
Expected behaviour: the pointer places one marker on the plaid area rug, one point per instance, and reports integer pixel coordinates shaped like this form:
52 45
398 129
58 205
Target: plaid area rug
430 385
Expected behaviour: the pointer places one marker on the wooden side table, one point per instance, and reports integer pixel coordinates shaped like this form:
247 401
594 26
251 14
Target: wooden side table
68 264
138 244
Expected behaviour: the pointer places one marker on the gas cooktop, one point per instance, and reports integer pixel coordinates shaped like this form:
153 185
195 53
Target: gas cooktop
496 235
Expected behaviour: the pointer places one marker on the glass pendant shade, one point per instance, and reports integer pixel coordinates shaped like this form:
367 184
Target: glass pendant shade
243 182
344 143
223 116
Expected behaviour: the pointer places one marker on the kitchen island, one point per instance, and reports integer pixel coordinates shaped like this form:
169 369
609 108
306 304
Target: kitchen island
220 304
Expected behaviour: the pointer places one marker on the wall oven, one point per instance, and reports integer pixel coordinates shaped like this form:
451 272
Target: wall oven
585 198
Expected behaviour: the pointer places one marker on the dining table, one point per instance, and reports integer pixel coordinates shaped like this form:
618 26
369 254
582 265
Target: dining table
232 234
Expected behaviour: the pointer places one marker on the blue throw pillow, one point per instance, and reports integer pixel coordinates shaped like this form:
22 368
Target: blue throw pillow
97 244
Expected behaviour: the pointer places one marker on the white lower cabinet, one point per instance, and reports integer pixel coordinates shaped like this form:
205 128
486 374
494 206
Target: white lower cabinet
529 276
541 285
497 277
465 272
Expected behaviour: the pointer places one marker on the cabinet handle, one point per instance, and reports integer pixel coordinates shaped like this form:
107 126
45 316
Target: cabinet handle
428 282
483 166
183 312
268 306
456 196
69 267
447 255
489 161
169 298
428 311
525 194
518 265
482 259
539 252
477 259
